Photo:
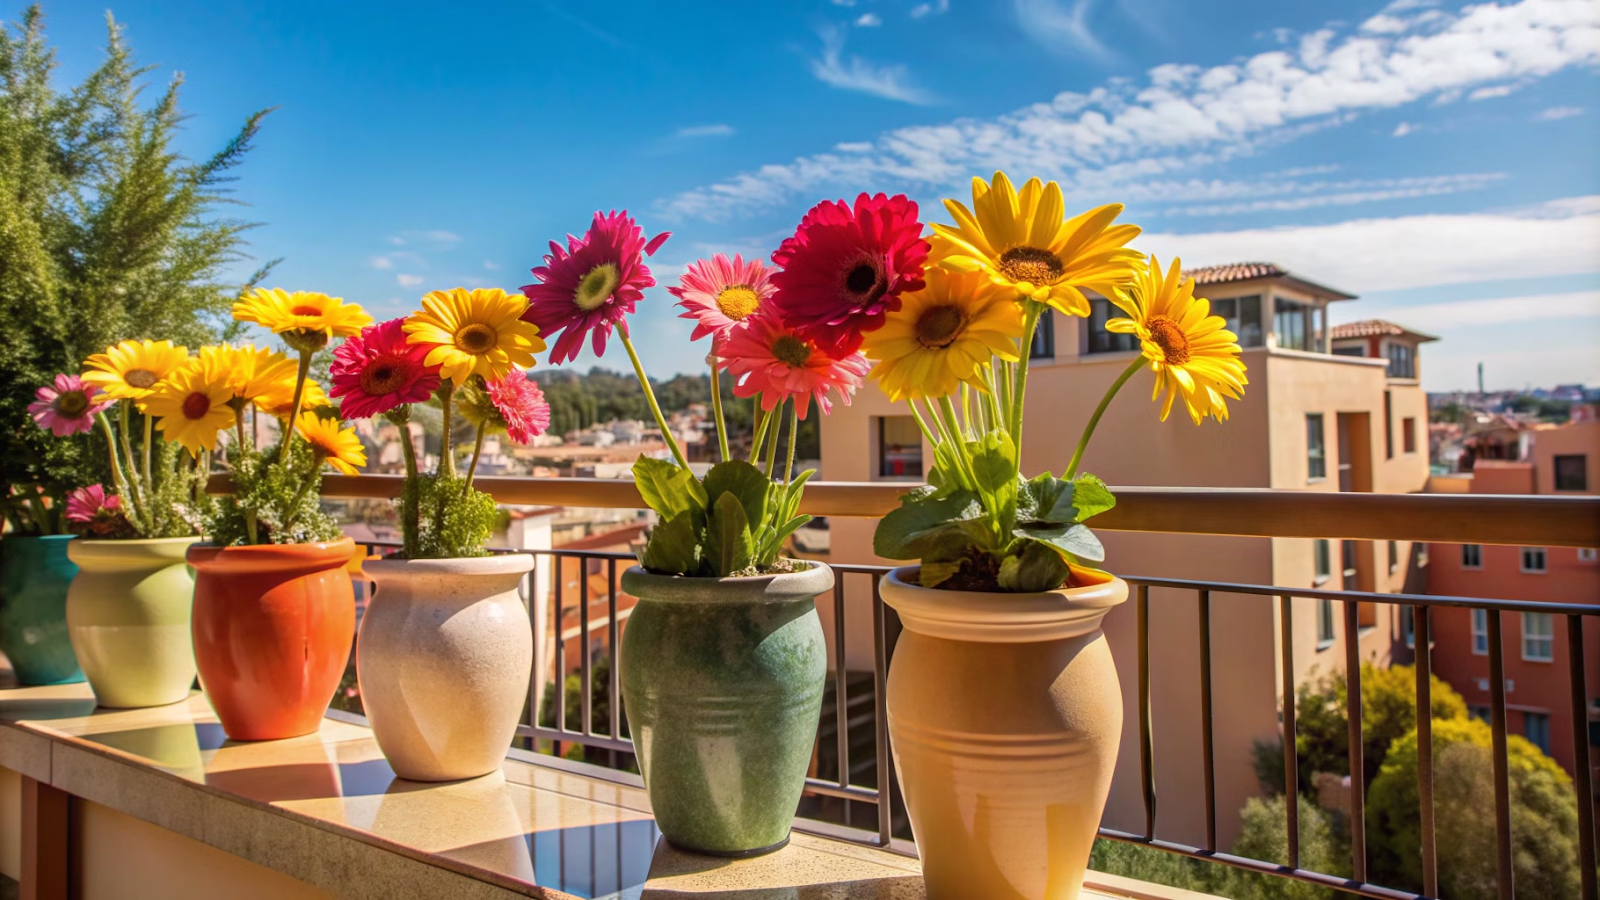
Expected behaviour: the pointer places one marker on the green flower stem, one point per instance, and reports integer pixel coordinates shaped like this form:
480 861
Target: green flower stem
716 409
133 473
1003 381
238 428
149 441
927 432
409 514
472 468
202 466
294 505
650 397
958 452
794 431
1029 325
294 406
1088 430
763 419
117 477
447 459
948 410
772 445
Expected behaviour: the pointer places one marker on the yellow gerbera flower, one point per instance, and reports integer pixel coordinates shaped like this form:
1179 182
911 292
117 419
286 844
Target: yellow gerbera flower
338 447
130 370
301 315
279 397
1190 351
477 332
1023 242
943 335
191 406
252 372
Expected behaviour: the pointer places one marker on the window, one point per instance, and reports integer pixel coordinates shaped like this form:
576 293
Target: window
1316 451
1408 434
1322 552
1533 559
1471 556
1422 554
1481 713
1319 329
1538 637
1324 624
1394 557
1289 325
1101 340
1408 625
1536 728
1350 350
899 447
1572 472
1402 359
1243 315
1480 631
1388 426
1044 338
1586 554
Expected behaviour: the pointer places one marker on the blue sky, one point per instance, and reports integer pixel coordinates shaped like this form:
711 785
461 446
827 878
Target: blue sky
1437 159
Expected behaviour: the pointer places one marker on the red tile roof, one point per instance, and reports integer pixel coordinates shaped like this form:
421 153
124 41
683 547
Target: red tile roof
1377 327
1234 272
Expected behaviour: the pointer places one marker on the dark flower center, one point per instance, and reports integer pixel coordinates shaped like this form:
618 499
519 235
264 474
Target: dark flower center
140 378
939 326
476 338
1169 336
384 376
1032 265
861 279
71 404
791 350
196 405
306 311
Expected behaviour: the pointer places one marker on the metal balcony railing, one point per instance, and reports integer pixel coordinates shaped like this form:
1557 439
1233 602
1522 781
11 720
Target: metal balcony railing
1467 519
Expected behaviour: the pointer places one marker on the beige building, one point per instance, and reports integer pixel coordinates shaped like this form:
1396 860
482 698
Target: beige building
1316 416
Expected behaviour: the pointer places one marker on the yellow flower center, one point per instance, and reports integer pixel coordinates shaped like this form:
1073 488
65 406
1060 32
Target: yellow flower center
939 326
196 405
1032 265
791 350
476 339
71 403
1168 335
597 286
738 301
306 311
140 378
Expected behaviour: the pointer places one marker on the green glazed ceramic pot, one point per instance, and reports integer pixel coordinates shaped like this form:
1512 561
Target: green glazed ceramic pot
128 615
34 574
722 680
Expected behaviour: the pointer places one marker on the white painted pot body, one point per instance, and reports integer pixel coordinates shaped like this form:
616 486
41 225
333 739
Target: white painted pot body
1005 714
444 657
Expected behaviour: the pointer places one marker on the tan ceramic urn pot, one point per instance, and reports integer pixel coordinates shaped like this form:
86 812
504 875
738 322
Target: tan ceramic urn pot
1005 714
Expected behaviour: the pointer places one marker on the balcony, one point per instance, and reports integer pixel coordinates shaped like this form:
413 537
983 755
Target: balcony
105 803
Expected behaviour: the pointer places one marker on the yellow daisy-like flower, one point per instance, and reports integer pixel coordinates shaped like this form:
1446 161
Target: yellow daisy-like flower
943 335
279 397
1023 242
1190 351
338 447
477 332
130 370
252 372
301 314
191 405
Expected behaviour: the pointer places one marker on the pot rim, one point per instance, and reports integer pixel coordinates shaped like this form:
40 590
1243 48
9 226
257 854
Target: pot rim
492 564
153 551
816 578
267 557
994 617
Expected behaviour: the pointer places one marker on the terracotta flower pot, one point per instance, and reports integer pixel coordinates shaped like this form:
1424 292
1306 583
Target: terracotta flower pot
273 626
1005 714
444 659
128 615
34 575
722 679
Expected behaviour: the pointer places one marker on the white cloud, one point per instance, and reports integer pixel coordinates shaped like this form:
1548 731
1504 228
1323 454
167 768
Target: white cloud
381 262
430 238
491 265
1496 311
924 9
1187 116
844 3
1489 93
868 20
1319 194
1555 113
698 131
1060 26
405 280
857 74
1403 129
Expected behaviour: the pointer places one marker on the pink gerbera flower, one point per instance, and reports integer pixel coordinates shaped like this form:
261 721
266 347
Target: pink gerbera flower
719 294
521 407
85 503
68 406
844 269
377 371
592 284
772 360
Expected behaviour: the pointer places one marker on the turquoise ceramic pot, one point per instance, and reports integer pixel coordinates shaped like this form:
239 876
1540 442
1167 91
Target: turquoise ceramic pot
34 575
722 680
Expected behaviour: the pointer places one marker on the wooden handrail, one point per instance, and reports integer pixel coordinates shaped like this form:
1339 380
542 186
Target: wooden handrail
1534 521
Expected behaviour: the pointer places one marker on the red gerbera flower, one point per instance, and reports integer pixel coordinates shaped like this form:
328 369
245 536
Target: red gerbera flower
772 360
521 406
844 269
377 371
591 284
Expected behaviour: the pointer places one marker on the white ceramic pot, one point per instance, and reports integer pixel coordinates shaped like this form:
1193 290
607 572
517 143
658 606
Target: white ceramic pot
1005 715
444 656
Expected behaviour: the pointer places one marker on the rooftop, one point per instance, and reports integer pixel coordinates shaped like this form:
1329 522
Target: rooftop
1229 273
1378 328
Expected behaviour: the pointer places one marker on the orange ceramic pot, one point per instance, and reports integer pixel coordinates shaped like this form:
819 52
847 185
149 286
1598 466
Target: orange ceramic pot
273 626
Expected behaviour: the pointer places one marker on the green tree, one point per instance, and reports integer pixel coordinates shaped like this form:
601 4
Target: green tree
106 233
1264 837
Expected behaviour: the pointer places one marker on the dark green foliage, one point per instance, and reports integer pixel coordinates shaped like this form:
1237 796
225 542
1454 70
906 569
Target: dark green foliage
105 234
454 520
271 503
600 713
734 522
178 503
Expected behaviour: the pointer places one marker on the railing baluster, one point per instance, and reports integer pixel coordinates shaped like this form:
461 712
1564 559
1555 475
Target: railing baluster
559 628
880 676
1291 759
1147 775
1358 775
586 705
535 694
1577 685
1422 634
841 703
1502 775
613 690
1207 756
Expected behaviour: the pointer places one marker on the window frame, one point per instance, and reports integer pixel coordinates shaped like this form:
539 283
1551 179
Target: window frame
1316 456
1291 315
1528 718
1543 558
1325 624
1476 552
1588 554
1408 625
1394 557
1408 435
880 446
1321 561
1480 632
1582 481
1044 338
1401 358
1102 311
1546 637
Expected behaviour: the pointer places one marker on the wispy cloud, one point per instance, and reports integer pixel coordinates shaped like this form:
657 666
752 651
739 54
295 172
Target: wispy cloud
1501 310
925 9
1489 93
1061 26
491 265
1321 194
868 20
856 74
584 25
381 262
701 131
1403 129
427 238
405 280
1556 113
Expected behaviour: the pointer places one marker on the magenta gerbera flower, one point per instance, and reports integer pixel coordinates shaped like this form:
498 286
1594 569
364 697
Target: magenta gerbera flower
719 293
845 268
85 503
772 360
521 405
592 284
377 371
67 406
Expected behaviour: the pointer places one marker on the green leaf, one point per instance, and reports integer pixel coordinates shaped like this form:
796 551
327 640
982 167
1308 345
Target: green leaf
1037 568
673 547
729 546
1043 497
745 482
1075 539
994 468
668 488
934 574
923 517
1091 497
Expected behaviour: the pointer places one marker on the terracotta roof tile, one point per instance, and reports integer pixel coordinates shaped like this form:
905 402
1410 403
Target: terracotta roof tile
1234 272
1376 327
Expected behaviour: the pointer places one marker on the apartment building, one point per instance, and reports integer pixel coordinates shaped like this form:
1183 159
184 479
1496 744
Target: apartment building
1315 417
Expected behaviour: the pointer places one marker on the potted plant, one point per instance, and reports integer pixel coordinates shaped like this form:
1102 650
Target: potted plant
723 659
274 610
446 650
1003 703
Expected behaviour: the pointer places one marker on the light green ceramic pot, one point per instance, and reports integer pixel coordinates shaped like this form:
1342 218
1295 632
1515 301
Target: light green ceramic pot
722 680
128 616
